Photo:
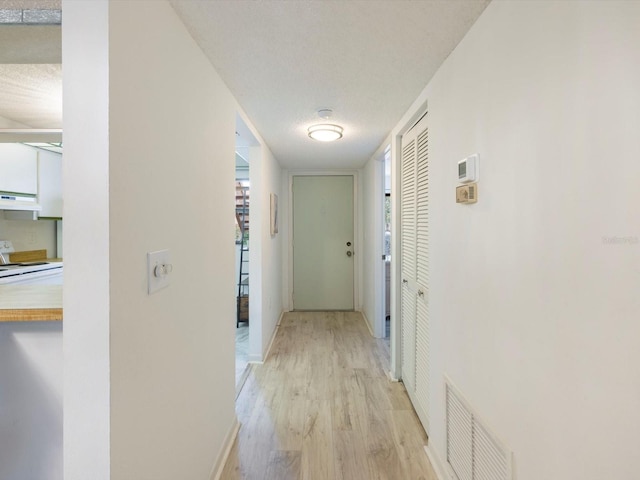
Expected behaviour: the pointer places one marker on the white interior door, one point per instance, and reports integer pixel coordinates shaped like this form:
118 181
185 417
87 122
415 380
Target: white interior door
414 213
323 242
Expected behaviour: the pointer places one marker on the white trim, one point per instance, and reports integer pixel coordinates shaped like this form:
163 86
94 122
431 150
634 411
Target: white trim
395 330
273 337
422 415
366 321
357 230
230 438
290 242
436 463
243 379
358 236
379 268
260 360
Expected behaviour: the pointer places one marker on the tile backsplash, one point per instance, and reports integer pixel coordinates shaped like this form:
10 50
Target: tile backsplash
29 234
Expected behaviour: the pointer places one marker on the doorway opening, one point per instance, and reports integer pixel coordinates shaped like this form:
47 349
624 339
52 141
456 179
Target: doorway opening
386 222
245 141
241 278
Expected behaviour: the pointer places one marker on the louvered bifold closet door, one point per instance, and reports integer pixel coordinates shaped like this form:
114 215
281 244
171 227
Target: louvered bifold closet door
423 367
408 262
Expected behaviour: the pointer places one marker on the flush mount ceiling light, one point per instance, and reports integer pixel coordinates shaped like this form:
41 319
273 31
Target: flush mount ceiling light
325 132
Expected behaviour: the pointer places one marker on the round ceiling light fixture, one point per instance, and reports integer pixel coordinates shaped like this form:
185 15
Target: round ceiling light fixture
325 132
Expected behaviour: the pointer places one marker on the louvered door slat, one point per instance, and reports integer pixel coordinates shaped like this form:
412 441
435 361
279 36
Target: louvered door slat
408 338
408 211
408 230
422 209
423 367
490 460
415 264
459 437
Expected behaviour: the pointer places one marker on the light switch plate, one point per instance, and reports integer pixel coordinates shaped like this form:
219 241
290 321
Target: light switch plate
158 270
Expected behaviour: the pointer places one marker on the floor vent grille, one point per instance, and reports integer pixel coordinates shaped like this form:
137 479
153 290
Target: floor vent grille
473 452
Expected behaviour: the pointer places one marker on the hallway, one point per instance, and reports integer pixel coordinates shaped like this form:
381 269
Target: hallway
322 407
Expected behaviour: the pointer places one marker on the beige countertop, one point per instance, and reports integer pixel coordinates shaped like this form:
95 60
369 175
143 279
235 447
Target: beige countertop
28 303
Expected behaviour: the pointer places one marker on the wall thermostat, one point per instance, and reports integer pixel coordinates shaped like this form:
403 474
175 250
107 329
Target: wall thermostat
468 169
467 193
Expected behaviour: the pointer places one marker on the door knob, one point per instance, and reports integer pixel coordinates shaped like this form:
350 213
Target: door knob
349 253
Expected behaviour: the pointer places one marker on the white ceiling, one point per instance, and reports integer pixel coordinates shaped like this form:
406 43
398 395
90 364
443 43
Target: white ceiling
366 60
30 71
283 60
32 94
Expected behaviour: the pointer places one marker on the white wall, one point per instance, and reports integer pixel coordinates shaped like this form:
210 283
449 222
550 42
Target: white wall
29 234
157 184
284 233
31 400
265 255
86 248
272 252
534 307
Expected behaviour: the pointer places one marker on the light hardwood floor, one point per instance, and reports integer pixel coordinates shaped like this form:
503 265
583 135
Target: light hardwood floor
321 407
242 354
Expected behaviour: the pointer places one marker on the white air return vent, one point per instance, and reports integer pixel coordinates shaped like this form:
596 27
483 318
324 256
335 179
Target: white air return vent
473 452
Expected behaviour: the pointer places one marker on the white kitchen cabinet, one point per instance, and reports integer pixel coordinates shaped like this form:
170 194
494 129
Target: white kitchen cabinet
50 184
18 168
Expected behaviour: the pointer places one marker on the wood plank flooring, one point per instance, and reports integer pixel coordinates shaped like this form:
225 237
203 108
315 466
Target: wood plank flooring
321 407
242 354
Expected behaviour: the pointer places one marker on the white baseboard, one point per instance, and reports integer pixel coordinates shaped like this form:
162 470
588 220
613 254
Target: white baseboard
391 377
242 381
256 358
366 321
273 337
216 471
436 463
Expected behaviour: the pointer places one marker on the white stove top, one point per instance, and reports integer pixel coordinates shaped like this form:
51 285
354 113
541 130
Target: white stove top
14 269
20 270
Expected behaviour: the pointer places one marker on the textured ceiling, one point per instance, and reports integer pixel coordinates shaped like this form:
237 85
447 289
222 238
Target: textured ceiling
30 4
283 60
32 94
366 60
30 70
